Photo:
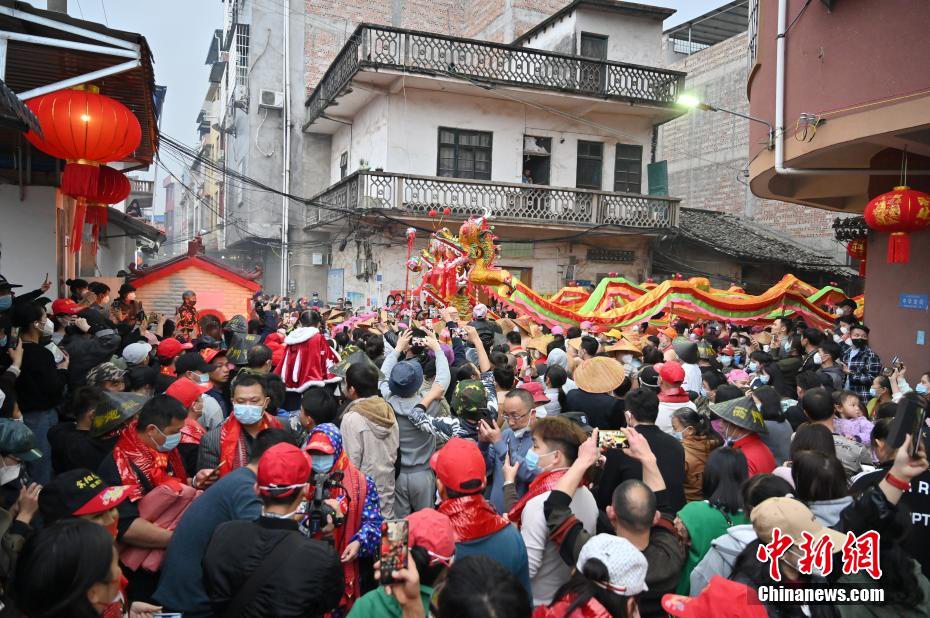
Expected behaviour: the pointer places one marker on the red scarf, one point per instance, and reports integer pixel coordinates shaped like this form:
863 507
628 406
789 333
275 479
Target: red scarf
675 394
356 490
192 432
540 485
233 446
472 517
131 454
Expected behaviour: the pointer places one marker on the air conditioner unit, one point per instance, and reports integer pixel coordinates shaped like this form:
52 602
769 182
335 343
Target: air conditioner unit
322 259
271 99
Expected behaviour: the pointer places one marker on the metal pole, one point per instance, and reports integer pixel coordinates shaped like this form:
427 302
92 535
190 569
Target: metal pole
286 172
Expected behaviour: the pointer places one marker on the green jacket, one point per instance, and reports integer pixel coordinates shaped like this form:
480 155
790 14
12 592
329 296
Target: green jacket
378 604
705 523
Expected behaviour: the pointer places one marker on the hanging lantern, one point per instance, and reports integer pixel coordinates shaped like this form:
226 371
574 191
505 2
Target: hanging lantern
899 212
85 129
111 187
857 249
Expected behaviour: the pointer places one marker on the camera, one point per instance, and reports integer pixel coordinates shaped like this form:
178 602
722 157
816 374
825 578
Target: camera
317 510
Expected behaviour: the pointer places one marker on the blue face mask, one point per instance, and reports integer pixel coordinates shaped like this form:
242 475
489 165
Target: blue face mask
247 414
532 459
873 392
921 389
171 442
201 378
763 379
726 360
677 435
6 302
322 463
753 367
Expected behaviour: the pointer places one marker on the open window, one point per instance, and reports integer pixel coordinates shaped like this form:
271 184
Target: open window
537 152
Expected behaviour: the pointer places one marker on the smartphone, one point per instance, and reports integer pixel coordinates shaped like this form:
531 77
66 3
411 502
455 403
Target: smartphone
608 439
918 433
394 538
56 352
167 615
896 362
418 342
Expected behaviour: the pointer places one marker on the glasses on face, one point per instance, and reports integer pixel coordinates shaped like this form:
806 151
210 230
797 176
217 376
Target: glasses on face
515 417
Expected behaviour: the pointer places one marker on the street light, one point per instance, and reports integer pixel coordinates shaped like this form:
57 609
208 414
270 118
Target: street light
690 101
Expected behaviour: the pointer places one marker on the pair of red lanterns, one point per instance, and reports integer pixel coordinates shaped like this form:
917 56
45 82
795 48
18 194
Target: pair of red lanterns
87 129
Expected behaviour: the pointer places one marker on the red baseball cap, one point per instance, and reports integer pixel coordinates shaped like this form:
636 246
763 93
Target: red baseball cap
722 598
671 372
432 531
460 466
79 492
282 470
698 331
536 389
320 443
211 353
65 306
186 391
171 347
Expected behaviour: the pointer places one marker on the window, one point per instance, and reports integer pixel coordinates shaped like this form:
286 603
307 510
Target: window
464 154
590 163
536 151
343 165
242 54
628 171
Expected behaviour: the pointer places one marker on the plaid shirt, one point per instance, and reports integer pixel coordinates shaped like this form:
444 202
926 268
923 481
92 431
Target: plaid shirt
863 369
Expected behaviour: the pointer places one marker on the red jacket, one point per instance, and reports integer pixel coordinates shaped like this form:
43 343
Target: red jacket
591 609
758 456
307 359
275 342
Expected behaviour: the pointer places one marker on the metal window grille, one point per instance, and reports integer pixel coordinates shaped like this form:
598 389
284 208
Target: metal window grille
628 169
590 165
464 154
516 250
752 32
242 54
611 255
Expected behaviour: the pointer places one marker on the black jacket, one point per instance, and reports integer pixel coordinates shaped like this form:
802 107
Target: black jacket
307 582
670 456
41 385
602 410
86 352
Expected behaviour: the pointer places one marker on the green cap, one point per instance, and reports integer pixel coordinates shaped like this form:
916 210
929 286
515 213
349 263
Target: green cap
470 400
17 439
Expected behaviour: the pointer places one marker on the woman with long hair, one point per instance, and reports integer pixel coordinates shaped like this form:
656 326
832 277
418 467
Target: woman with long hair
778 436
699 523
556 377
820 483
698 439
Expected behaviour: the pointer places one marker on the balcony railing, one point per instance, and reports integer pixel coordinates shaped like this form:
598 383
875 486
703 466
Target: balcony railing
505 202
384 47
141 186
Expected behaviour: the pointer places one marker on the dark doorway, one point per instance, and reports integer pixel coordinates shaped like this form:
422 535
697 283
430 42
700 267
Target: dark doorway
593 75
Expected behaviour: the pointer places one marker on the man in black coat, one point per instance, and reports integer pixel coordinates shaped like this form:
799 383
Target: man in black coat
642 410
267 567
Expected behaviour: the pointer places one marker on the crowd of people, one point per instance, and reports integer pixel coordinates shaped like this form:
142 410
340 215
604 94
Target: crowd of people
248 467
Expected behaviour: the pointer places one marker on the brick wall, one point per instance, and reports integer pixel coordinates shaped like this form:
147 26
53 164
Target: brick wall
706 151
213 292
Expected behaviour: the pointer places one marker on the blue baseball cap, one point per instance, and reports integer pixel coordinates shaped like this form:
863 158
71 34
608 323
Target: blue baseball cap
406 378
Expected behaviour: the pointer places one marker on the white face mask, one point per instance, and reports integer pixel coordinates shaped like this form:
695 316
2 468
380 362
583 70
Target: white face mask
47 328
837 339
818 359
9 473
627 359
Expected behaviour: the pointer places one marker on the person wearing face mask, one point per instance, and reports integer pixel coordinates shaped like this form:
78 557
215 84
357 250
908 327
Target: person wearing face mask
18 499
81 493
40 387
355 501
742 422
555 448
826 358
101 303
9 298
879 393
227 447
513 443
65 311
698 439
860 363
267 567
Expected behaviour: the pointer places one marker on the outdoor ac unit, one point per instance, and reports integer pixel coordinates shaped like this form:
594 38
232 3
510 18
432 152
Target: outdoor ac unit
322 259
271 99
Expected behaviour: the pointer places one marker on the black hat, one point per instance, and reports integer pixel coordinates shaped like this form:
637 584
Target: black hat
126 289
18 440
191 361
114 411
6 285
78 492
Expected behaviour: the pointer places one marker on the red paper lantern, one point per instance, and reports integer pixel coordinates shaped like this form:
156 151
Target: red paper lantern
111 187
447 211
857 250
899 212
85 129
432 213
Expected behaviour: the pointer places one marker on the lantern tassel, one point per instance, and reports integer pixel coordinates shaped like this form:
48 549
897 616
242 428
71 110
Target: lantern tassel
899 248
77 225
97 217
80 180
862 268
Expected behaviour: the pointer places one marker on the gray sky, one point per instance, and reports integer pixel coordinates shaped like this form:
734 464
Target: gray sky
179 31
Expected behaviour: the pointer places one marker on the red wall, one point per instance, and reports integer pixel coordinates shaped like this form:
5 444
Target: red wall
861 51
894 330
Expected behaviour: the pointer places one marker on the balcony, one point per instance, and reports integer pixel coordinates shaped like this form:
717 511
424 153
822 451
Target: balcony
383 48
404 195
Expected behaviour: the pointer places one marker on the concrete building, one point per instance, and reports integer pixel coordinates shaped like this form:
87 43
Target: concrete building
850 112
708 153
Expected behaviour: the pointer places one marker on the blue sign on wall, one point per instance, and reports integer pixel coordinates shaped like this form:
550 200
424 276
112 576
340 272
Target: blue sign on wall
918 302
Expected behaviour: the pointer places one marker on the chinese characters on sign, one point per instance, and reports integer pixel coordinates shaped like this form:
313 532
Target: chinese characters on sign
859 553
919 302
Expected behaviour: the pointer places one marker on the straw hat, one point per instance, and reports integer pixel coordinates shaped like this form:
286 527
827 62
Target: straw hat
506 325
741 412
763 338
624 346
539 343
613 333
600 374
574 343
526 325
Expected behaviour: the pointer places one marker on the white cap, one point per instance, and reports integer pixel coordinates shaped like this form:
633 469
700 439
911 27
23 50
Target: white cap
479 311
135 353
625 564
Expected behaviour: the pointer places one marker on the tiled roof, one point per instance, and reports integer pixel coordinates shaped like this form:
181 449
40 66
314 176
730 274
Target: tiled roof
743 238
